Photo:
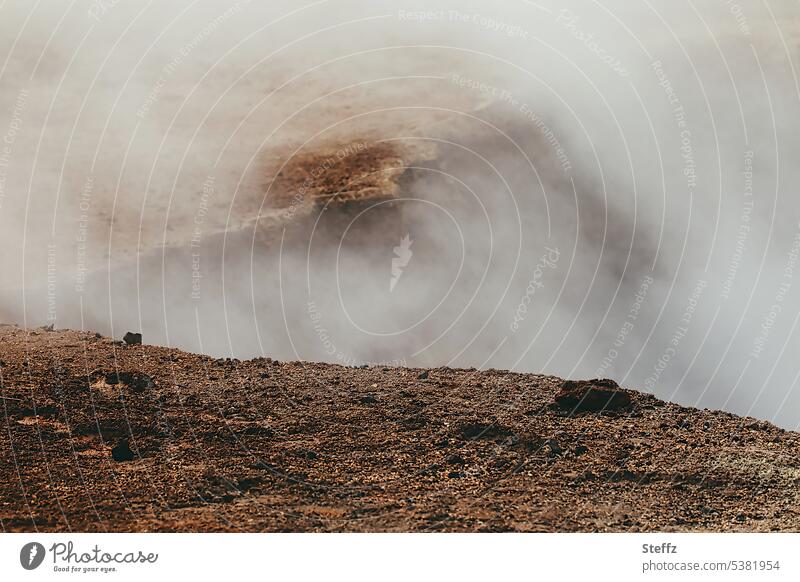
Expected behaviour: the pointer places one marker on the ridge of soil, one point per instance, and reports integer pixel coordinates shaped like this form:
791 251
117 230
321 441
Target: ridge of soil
103 436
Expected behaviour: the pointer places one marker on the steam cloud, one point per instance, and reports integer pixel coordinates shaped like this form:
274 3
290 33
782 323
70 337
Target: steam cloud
591 188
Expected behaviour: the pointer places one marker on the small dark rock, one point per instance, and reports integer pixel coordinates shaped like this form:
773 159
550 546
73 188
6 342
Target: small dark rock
122 452
368 399
554 448
591 396
423 375
133 339
758 425
135 381
580 450
456 460
455 475
488 431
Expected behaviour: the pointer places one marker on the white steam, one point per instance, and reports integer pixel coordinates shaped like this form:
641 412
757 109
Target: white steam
591 188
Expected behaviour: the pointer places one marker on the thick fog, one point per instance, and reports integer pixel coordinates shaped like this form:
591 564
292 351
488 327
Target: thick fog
579 188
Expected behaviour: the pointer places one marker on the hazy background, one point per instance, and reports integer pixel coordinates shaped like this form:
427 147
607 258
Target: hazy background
598 188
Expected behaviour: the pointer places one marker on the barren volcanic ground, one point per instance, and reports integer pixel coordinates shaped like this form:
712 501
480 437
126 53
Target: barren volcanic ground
100 436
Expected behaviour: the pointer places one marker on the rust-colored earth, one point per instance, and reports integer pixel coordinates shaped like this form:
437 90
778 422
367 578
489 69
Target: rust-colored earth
99 436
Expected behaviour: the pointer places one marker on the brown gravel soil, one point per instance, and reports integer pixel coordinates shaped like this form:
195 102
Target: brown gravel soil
354 172
103 436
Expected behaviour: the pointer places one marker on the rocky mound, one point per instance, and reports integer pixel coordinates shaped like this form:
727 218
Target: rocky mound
106 436
592 396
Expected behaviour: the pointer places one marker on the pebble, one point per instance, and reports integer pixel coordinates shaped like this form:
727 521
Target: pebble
122 452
